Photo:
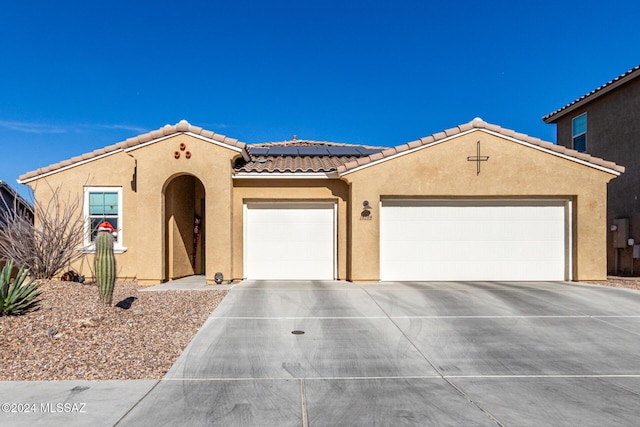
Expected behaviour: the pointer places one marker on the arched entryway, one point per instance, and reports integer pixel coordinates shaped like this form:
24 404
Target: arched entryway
184 222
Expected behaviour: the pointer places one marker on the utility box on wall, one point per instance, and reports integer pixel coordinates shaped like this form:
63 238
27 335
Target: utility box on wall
620 229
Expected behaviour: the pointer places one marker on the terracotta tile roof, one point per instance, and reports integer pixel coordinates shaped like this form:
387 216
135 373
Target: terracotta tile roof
479 124
317 157
620 80
167 130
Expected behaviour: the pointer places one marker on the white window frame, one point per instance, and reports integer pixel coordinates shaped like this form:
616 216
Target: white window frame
89 246
575 135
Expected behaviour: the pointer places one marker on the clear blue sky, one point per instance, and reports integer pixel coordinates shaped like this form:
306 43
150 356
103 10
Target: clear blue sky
80 75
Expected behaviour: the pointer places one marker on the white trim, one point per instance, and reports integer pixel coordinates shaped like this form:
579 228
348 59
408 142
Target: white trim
409 151
564 156
498 134
64 168
129 149
575 135
88 245
91 249
568 242
285 175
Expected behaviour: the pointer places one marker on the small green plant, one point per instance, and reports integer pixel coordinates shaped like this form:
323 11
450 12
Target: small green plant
105 265
16 296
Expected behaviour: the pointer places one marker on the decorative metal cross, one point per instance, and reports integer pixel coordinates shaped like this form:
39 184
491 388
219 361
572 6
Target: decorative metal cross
477 158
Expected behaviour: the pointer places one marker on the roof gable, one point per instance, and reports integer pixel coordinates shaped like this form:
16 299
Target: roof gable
134 143
597 92
478 124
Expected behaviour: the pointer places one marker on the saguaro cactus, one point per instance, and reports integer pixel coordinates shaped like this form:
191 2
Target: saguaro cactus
105 265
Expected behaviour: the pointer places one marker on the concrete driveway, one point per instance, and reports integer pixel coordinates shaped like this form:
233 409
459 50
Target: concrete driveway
525 354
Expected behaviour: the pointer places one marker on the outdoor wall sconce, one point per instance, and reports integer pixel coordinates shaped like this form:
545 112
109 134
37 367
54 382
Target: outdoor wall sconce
366 211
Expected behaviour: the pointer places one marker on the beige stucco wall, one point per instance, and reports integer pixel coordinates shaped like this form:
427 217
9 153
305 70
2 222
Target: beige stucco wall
144 174
112 171
161 194
513 170
268 190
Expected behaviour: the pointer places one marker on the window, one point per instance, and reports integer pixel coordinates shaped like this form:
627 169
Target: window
579 133
102 204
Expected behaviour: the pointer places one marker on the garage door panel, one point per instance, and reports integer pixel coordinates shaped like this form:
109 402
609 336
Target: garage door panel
477 240
289 241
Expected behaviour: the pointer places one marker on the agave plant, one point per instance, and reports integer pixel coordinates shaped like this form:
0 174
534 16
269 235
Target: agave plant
16 296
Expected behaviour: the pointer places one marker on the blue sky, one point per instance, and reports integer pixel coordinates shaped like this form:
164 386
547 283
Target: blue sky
79 75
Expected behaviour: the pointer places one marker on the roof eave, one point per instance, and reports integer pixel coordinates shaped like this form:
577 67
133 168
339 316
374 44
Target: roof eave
580 102
134 143
285 175
482 127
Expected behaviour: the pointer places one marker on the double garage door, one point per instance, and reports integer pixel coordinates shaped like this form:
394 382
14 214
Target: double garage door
475 240
419 240
289 241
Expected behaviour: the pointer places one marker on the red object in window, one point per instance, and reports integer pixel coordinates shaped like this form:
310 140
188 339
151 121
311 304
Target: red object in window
105 226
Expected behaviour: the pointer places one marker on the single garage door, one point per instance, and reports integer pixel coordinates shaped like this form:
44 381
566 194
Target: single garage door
474 240
289 241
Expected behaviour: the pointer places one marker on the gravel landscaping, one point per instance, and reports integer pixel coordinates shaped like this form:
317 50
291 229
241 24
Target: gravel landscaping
622 282
72 337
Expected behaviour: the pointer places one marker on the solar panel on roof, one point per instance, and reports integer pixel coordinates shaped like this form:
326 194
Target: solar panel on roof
312 151
259 151
283 151
343 151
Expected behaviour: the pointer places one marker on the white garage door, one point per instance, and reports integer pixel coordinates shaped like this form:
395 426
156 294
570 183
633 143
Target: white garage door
289 241
474 240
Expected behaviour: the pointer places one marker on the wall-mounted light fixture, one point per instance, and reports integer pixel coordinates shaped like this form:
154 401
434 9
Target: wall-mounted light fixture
366 210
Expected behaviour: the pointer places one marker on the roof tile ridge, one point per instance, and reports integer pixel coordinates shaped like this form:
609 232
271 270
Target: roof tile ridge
593 92
478 123
166 130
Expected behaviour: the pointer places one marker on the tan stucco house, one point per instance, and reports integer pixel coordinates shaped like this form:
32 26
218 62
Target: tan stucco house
475 202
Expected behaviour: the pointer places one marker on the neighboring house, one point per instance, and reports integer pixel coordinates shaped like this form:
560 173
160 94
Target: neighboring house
11 201
475 202
606 123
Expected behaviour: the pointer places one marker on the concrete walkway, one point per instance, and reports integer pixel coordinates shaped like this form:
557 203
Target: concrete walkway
189 283
384 354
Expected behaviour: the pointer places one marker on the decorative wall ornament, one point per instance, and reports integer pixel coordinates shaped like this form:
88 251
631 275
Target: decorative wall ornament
477 158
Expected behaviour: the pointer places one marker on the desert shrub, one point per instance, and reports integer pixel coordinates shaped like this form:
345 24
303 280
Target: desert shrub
17 296
47 245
